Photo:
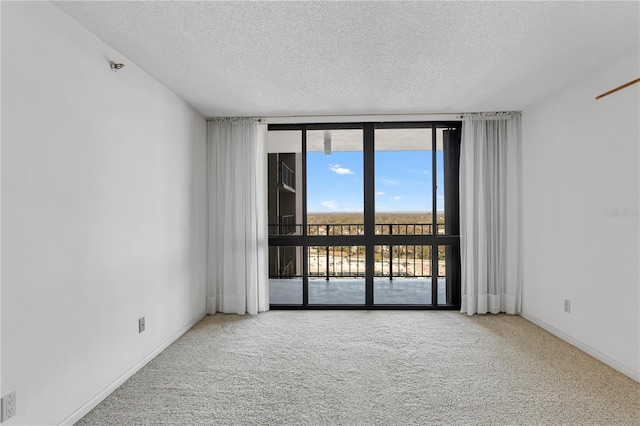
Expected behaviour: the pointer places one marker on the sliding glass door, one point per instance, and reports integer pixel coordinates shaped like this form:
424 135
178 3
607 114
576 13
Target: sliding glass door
335 215
364 215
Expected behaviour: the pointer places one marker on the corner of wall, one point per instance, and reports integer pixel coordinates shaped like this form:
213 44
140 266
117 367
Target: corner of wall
103 215
581 197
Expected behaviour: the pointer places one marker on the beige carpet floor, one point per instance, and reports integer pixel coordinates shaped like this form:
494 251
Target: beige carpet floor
371 368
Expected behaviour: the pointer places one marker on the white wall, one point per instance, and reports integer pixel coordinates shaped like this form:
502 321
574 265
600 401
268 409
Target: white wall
103 215
581 227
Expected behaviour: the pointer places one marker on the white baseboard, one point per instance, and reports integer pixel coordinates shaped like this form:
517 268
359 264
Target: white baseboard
93 402
624 369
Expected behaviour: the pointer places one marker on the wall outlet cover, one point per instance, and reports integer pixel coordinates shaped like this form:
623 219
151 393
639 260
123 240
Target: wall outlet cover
141 324
567 306
8 406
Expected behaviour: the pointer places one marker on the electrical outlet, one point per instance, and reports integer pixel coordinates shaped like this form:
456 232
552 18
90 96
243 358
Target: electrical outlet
141 324
567 306
8 406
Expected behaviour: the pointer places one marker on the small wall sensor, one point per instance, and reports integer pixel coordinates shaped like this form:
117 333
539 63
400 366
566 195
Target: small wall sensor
115 66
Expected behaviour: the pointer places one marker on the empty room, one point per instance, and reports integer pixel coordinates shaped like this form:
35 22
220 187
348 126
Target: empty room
322 213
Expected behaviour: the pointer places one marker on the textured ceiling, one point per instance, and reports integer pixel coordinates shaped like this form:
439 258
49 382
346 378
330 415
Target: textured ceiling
294 58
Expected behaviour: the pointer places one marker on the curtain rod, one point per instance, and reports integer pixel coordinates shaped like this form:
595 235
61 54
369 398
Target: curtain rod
355 118
341 118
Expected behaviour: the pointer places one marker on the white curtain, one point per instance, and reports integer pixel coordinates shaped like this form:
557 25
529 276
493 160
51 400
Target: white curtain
490 211
237 277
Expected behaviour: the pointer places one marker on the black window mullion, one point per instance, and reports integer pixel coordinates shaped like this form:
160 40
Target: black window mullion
305 244
369 209
434 274
451 164
434 216
434 183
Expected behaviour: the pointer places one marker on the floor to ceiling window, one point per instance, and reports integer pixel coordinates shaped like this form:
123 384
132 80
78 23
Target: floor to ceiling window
364 215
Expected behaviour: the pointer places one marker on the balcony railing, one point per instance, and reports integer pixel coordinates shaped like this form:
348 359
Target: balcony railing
282 262
286 176
390 261
406 229
395 261
381 229
335 229
287 227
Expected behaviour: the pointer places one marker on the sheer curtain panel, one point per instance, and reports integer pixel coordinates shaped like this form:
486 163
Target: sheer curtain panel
237 278
490 212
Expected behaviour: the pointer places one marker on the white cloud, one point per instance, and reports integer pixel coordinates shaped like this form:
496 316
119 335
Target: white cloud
385 181
415 172
397 198
380 193
340 170
330 204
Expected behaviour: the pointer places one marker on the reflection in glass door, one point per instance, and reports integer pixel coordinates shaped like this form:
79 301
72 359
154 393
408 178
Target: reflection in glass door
285 203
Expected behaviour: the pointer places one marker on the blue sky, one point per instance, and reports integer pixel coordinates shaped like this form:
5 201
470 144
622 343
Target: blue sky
402 181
